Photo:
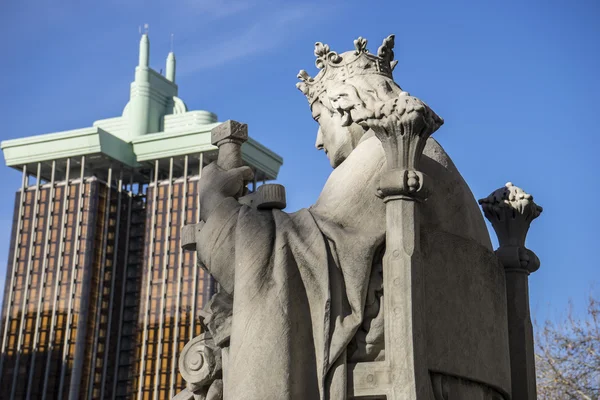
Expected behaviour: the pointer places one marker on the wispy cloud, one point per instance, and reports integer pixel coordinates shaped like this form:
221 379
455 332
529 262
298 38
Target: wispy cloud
266 32
218 8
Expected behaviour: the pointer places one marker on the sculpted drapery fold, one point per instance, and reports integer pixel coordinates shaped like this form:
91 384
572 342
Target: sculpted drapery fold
299 282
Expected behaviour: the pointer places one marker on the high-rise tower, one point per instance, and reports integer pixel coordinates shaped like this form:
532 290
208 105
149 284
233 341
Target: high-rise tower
99 297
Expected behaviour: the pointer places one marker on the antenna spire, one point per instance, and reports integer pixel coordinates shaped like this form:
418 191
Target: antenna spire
144 50
171 63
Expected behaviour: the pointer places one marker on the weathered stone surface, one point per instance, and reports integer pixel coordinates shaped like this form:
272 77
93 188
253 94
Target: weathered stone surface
188 236
229 131
306 319
269 196
446 387
465 309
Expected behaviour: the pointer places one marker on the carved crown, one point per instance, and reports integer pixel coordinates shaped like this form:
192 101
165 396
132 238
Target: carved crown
336 67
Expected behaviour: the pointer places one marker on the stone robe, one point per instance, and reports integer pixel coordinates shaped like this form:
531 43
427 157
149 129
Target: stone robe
300 279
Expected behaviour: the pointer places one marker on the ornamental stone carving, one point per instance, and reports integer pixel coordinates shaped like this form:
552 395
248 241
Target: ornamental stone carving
200 366
511 211
372 292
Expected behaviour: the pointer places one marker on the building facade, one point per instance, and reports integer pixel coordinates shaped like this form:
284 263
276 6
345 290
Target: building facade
99 297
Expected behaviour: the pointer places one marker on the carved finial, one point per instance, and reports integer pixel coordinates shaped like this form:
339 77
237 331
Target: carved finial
324 54
360 45
386 50
511 210
305 80
403 127
304 76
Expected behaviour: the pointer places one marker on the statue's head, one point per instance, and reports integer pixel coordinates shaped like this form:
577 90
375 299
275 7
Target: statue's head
350 88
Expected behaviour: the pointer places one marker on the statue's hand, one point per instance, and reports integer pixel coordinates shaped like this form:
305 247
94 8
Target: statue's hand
217 184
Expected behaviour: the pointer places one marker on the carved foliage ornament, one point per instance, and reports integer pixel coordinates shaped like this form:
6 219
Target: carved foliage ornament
403 125
511 211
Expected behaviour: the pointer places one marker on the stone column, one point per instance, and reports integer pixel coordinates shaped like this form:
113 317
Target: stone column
511 210
403 133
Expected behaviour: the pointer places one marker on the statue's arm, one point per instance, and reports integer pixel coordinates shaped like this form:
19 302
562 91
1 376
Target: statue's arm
216 242
237 237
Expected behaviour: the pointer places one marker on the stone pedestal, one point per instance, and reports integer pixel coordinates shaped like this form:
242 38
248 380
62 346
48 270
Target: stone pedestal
511 210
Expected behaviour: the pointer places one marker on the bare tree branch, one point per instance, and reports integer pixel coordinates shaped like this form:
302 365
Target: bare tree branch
567 356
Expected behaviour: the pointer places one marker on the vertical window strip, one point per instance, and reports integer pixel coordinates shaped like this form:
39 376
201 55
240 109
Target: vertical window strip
123 288
25 299
13 276
195 267
101 281
46 255
58 267
112 287
74 267
182 210
146 299
167 213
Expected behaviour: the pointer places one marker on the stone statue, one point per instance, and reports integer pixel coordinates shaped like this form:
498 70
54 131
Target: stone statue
387 287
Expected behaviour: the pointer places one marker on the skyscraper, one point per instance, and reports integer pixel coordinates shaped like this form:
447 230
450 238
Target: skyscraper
99 297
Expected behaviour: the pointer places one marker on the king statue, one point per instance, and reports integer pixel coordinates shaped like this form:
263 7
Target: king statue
386 288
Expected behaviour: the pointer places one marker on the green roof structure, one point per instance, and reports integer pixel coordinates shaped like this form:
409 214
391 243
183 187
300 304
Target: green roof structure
155 124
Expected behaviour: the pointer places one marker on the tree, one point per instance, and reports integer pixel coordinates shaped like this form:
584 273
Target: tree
568 357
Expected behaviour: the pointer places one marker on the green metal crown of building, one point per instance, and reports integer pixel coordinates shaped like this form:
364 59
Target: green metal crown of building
155 124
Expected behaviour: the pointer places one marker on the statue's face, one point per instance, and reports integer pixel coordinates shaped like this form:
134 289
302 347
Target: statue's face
332 137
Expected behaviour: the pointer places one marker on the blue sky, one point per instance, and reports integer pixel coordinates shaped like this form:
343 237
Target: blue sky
516 82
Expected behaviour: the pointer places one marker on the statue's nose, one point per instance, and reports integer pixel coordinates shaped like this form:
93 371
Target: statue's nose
319 141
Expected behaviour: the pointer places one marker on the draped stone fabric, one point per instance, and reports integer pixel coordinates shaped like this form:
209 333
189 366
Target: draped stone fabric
300 279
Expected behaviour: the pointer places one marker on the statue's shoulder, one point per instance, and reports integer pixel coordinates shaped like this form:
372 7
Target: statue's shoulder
452 206
434 151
